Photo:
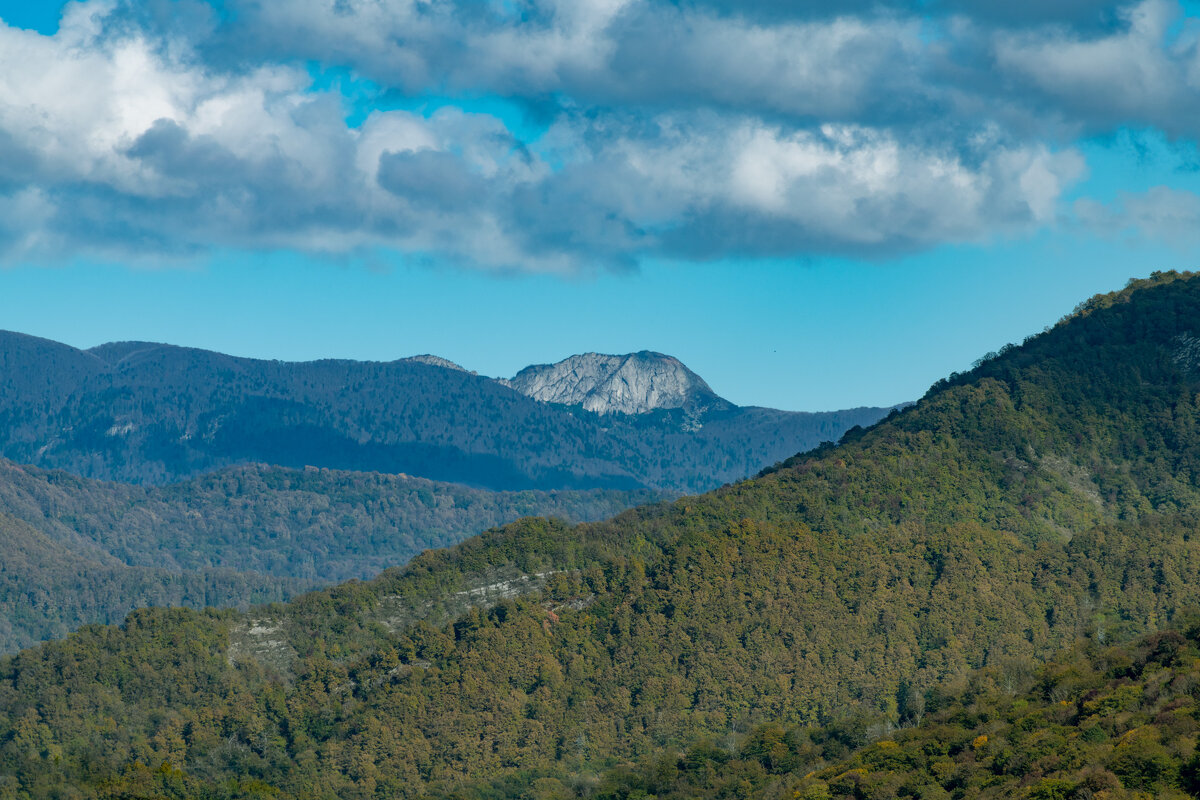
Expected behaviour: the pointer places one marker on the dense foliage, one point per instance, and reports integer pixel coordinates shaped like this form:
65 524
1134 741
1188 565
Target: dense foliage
154 413
1048 494
1112 722
49 588
74 551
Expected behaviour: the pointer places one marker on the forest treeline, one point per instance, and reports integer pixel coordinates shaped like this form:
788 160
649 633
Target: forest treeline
1047 495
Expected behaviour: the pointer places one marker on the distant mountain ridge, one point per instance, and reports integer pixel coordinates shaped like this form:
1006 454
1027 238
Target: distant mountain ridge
634 383
155 413
1048 493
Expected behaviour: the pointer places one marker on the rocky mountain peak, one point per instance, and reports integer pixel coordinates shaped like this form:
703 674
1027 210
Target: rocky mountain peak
634 383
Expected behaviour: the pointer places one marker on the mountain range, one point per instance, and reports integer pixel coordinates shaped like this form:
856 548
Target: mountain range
1048 494
149 413
211 525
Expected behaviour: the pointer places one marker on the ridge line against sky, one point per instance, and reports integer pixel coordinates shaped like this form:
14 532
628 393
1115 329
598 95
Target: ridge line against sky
692 161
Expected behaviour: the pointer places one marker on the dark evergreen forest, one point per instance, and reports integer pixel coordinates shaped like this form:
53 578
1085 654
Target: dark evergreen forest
147 413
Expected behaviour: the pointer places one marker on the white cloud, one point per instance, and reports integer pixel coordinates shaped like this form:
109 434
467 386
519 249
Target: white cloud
673 130
705 185
126 148
601 51
1086 66
1138 74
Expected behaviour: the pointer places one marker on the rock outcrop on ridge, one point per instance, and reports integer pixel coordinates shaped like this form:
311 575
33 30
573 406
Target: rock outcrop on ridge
634 383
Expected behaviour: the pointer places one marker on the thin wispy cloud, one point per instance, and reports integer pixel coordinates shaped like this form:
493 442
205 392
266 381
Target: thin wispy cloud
1160 214
678 130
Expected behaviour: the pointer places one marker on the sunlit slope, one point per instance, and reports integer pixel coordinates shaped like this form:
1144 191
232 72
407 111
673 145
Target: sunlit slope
1097 721
1048 493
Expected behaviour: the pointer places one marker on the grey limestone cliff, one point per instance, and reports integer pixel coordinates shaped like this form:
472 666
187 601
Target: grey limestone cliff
629 384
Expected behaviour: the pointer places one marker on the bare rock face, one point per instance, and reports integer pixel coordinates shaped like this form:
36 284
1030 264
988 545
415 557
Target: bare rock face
629 384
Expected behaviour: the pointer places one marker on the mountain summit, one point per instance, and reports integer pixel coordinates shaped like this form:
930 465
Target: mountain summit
634 383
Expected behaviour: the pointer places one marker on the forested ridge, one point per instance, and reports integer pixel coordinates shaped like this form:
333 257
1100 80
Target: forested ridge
1048 494
74 551
150 413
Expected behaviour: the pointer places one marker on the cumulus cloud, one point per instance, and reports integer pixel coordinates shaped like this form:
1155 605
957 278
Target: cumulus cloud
679 130
707 187
1137 75
115 146
879 62
609 52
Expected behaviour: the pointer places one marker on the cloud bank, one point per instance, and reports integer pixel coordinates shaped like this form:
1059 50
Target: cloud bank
696 130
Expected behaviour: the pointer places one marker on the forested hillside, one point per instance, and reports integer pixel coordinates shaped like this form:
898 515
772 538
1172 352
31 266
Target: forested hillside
74 551
1047 494
49 587
1097 721
149 413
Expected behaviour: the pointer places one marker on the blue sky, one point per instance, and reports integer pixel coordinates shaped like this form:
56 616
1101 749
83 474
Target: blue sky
841 227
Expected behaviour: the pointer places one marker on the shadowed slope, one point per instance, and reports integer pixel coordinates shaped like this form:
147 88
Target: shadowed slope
76 551
151 413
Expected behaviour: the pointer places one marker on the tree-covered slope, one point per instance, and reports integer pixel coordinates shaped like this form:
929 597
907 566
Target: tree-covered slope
76 551
149 413
1048 493
49 587
1098 721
